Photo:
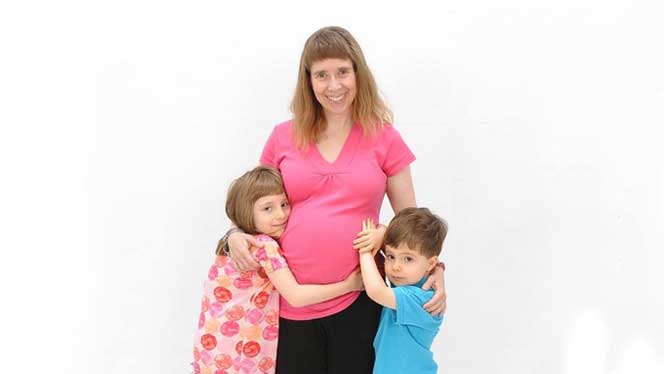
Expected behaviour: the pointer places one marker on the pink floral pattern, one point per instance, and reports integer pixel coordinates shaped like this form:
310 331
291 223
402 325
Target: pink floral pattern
238 326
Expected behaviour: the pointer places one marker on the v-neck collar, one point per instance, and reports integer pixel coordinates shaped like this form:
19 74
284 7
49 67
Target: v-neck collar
348 145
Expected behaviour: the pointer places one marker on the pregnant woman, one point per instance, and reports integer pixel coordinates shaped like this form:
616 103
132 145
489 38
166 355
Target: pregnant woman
339 155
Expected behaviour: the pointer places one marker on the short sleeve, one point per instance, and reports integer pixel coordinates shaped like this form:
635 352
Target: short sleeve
269 256
397 155
269 155
409 308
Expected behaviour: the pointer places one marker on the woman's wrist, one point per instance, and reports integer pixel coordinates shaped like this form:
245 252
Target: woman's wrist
226 236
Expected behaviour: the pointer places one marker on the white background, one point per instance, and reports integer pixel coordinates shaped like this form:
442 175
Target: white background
537 130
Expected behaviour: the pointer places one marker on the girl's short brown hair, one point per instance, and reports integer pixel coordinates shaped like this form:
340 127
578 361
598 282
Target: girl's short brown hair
368 109
419 229
243 194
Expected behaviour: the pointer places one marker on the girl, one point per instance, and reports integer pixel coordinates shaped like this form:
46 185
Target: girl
239 321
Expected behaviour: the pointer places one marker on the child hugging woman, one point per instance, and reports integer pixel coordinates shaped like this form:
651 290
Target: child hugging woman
238 325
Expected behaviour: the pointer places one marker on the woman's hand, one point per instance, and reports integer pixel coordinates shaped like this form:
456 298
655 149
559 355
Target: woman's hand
370 238
354 281
438 303
238 245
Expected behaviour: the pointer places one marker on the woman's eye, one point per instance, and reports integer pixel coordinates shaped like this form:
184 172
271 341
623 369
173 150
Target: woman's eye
343 72
321 75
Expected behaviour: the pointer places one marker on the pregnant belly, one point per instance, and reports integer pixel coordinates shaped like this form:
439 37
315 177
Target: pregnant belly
320 251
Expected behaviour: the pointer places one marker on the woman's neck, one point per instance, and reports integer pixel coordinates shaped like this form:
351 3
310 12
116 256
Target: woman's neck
338 123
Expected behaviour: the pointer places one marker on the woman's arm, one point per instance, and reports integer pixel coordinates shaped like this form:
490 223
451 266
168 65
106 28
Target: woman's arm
400 190
299 295
238 245
401 193
438 303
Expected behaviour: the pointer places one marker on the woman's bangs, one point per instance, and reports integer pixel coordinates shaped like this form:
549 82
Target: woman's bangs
324 49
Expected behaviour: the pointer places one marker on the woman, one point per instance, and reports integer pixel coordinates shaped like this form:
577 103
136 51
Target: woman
338 156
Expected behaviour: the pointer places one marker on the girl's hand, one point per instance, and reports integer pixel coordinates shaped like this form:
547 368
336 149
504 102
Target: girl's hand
238 245
354 281
438 303
370 238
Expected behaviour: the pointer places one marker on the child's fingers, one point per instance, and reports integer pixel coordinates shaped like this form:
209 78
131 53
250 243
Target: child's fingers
365 238
361 244
366 232
361 239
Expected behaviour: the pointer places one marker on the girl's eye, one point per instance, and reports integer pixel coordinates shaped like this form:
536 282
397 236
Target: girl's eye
267 209
285 205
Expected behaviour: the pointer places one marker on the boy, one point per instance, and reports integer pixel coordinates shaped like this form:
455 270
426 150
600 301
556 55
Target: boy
413 240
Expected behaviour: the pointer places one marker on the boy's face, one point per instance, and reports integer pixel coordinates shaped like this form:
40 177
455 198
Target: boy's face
405 266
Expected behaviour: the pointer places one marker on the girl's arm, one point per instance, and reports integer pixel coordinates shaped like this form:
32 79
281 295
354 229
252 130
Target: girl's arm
374 284
299 295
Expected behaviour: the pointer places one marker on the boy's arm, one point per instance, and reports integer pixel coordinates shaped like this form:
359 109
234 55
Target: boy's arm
299 295
374 284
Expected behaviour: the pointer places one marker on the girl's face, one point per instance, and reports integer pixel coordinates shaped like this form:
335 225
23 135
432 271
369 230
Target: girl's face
271 214
333 83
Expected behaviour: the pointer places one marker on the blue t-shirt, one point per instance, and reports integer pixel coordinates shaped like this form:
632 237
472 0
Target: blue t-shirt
404 337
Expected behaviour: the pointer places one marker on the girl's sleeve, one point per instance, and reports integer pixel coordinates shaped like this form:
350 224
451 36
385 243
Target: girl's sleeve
270 256
397 153
269 155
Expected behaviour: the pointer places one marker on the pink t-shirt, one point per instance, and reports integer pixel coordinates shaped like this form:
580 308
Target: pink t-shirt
329 202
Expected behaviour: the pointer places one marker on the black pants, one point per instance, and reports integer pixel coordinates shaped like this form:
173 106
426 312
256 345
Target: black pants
338 344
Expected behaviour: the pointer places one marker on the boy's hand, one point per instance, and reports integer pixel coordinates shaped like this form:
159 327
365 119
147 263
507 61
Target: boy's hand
354 281
370 238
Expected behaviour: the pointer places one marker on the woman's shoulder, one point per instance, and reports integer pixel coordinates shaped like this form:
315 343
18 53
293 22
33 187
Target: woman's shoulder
387 129
283 127
281 133
386 133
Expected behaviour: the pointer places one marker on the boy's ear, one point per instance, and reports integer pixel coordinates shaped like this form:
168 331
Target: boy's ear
432 262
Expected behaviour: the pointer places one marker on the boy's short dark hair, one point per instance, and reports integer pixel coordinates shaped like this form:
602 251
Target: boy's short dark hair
419 229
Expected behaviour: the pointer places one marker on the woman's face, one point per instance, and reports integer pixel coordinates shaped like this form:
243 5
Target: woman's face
271 214
333 82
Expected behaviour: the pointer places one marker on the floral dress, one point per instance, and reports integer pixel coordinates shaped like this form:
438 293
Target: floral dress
239 322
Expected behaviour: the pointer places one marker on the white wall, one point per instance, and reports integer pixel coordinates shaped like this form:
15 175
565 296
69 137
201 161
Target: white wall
536 126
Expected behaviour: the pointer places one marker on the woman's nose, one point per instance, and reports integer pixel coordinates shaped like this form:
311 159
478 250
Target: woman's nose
334 83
